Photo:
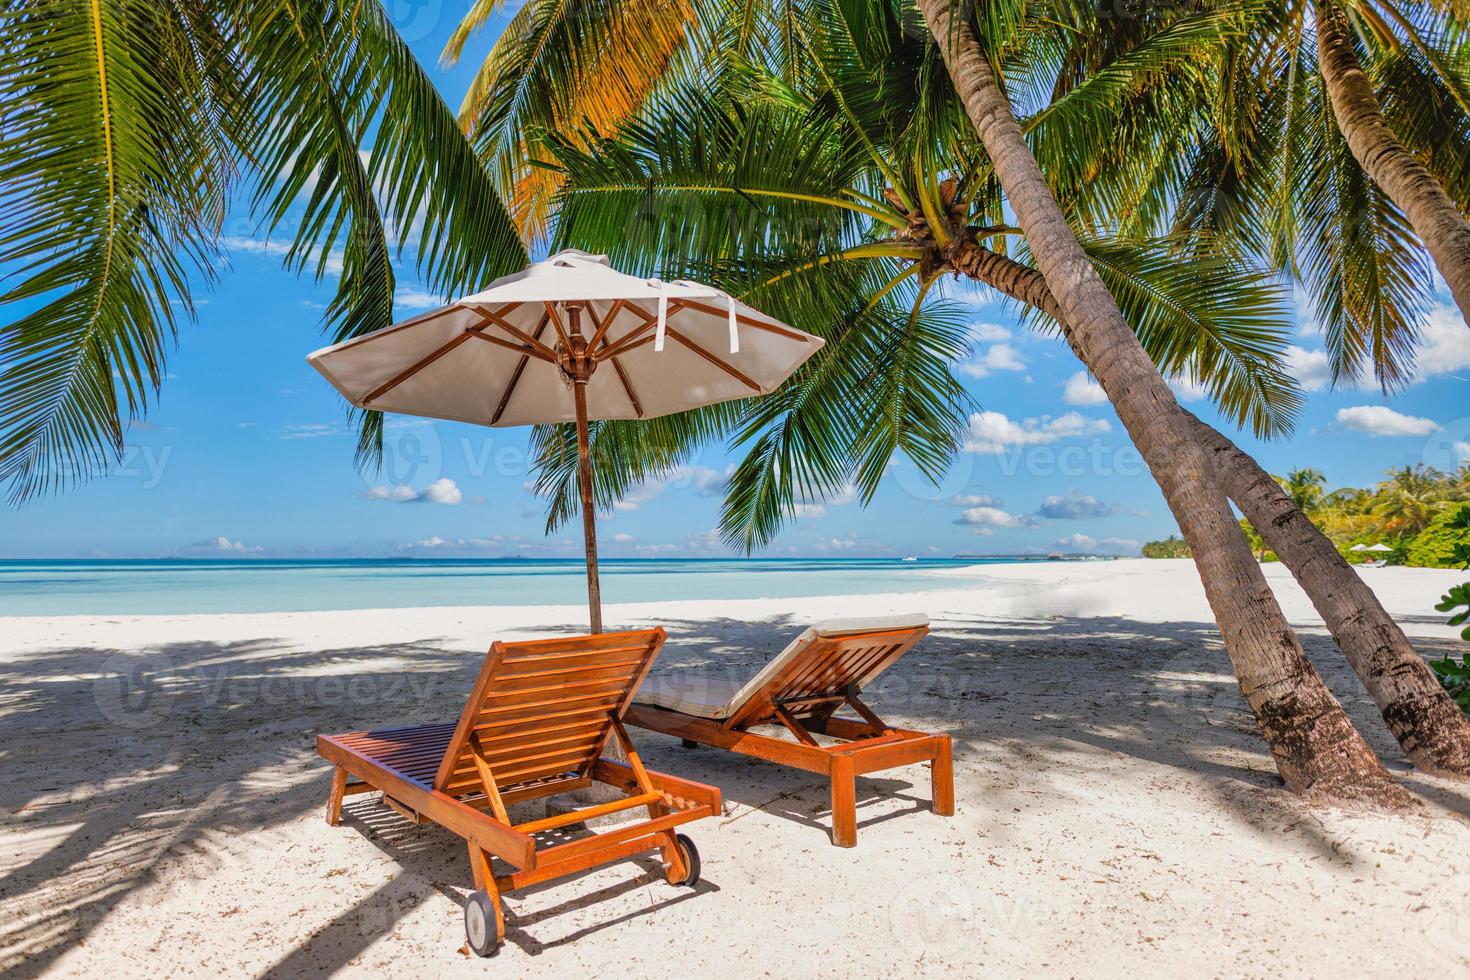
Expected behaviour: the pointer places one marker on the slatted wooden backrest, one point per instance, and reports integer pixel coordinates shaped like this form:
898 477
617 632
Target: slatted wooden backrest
544 708
823 669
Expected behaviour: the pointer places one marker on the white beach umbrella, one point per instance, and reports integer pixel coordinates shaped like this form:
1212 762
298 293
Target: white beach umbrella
1379 547
1359 547
527 350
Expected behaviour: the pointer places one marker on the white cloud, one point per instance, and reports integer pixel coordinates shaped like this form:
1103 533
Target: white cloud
277 250
1082 390
812 509
1379 420
1074 506
704 481
1085 544
994 432
977 500
1311 368
1187 389
442 491
621 538
224 546
1444 343
309 431
993 517
416 298
399 492
989 333
998 357
436 543
837 544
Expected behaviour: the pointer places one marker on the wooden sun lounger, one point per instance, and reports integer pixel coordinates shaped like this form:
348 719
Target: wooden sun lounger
535 725
820 672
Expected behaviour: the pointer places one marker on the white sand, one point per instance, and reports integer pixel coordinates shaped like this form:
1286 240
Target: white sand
1117 812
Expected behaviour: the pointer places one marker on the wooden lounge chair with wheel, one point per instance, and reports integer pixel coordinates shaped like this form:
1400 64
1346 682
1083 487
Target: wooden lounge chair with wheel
820 672
535 725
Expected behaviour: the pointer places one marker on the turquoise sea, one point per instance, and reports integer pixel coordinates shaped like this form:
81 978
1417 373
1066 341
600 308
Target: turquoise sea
182 586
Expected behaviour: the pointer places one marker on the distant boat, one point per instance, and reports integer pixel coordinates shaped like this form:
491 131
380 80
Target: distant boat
910 558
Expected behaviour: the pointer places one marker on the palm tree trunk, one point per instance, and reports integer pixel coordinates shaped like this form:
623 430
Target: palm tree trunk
1316 748
1408 183
1427 723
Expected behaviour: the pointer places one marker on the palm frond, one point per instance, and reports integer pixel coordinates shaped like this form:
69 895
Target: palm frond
113 170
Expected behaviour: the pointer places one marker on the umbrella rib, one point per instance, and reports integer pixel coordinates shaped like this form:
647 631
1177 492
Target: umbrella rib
515 377
525 349
599 337
496 319
561 331
742 318
628 387
712 359
626 342
413 369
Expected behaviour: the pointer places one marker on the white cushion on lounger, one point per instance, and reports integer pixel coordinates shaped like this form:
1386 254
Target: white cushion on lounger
706 696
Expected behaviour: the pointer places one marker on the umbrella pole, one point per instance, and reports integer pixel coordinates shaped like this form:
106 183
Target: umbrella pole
589 513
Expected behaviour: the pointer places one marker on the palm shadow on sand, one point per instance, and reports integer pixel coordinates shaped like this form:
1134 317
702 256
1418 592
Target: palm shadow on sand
155 770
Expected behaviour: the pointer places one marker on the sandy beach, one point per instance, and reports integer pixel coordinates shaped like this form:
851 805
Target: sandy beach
1116 814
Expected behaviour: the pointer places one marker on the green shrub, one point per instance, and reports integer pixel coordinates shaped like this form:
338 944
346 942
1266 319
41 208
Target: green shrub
1443 543
1171 547
1455 676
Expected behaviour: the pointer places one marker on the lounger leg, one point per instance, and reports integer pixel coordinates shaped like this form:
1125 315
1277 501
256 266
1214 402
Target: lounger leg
941 777
485 882
844 803
334 799
674 868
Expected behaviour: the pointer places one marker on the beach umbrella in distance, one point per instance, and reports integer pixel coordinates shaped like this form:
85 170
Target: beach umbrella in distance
1359 547
569 339
1380 547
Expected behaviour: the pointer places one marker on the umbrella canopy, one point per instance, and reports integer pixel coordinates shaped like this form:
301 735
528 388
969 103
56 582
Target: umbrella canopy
500 357
1359 547
569 339
1379 547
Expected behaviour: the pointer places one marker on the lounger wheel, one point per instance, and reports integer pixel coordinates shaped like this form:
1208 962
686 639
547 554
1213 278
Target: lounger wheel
688 743
690 854
483 925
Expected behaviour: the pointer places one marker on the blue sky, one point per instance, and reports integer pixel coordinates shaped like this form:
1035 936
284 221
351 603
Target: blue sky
247 452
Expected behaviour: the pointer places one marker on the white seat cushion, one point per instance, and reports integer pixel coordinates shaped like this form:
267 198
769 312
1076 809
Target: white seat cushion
690 693
707 696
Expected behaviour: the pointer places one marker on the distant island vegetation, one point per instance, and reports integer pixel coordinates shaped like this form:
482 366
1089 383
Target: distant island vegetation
1410 513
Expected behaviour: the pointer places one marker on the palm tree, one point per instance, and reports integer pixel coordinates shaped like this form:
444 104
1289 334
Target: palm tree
1410 498
1304 487
129 127
1339 161
1268 174
1316 747
1329 759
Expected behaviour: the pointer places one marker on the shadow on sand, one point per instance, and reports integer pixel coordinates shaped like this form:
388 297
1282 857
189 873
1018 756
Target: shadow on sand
180 750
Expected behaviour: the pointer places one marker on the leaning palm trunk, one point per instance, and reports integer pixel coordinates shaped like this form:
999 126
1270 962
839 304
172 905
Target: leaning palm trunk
1408 183
1427 723
1316 748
